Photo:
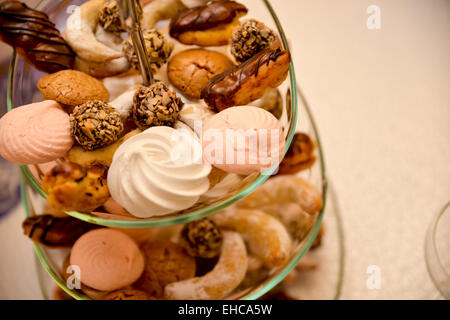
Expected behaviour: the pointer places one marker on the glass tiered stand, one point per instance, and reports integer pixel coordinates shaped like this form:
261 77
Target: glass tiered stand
22 90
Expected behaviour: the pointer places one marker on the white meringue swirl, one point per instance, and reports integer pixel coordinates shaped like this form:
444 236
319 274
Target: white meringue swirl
158 172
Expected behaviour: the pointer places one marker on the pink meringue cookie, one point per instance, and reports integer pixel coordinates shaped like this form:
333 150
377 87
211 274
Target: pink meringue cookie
108 259
243 140
35 133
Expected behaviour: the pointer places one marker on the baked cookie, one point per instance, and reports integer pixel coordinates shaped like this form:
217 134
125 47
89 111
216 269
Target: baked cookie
129 294
290 199
95 124
102 156
247 81
72 88
166 262
72 187
300 155
60 294
208 25
189 71
265 236
55 232
250 38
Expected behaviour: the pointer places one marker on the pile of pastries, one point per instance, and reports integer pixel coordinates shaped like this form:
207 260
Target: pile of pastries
152 150
100 142
210 258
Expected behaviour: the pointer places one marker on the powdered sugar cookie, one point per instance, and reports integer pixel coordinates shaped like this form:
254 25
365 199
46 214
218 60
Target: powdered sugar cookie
265 236
225 277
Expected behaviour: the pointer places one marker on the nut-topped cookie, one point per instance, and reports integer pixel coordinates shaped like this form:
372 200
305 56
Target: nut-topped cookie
156 105
95 124
72 187
208 25
110 19
250 38
166 262
158 49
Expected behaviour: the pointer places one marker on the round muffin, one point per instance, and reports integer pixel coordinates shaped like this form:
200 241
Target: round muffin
190 70
166 262
72 88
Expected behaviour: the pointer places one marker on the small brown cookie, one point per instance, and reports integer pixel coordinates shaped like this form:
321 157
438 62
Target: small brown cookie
129 294
300 155
166 262
72 88
190 70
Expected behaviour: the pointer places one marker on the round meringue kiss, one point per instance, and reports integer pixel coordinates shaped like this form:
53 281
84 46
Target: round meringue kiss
35 133
243 140
107 259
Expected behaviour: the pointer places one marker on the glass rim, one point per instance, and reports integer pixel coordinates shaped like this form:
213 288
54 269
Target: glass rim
255 293
432 254
186 217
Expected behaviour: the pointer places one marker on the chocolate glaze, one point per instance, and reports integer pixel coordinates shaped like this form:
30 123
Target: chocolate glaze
34 37
206 17
53 231
220 88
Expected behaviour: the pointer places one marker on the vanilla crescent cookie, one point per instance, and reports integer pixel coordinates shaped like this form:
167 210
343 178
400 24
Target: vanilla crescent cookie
284 189
265 236
290 199
158 10
35 133
228 273
80 35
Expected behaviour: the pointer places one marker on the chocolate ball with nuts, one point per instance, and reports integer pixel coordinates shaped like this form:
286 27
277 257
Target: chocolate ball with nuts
95 124
250 38
157 46
110 19
156 105
201 238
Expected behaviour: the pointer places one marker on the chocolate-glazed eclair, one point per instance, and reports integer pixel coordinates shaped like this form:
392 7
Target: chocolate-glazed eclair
247 81
34 37
53 232
208 25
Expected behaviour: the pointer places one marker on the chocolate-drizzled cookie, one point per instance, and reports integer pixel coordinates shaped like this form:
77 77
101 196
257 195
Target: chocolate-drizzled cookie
34 37
247 81
208 25
53 231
